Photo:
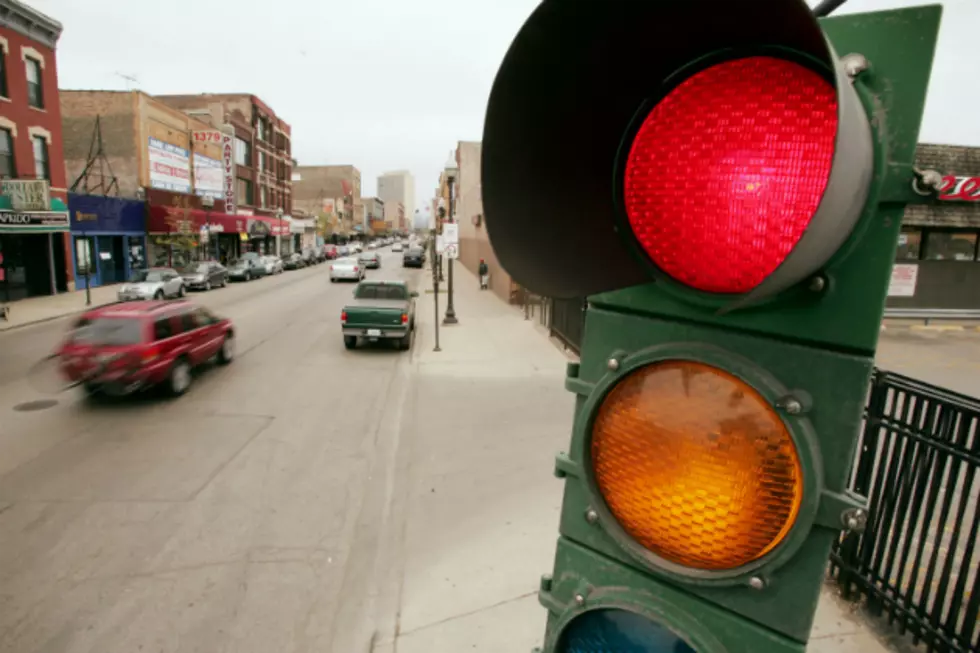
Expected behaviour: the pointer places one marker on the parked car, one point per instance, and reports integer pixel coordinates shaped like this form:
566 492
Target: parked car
273 264
380 310
413 258
397 247
119 349
346 269
293 261
343 250
370 260
372 245
320 255
246 270
152 283
330 251
309 256
204 276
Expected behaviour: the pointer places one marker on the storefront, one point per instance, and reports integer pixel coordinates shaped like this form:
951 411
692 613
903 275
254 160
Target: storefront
32 253
109 235
937 265
180 236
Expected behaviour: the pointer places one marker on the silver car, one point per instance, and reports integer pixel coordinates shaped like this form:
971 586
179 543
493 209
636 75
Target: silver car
272 264
370 260
346 269
154 283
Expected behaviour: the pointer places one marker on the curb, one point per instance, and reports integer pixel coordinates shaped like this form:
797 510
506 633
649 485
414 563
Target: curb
52 318
936 328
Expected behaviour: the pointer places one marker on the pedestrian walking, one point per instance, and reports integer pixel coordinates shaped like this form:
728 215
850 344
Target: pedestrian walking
484 271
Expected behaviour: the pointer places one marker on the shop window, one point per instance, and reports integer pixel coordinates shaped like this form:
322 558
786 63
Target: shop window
42 168
909 243
245 192
7 168
35 89
950 246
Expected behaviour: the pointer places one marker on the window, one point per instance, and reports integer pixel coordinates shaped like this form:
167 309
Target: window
35 92
7 168
950 246
264 196
245 195
261 130
163 328
42 170
3 73
106 331
243 152
263 161
909 243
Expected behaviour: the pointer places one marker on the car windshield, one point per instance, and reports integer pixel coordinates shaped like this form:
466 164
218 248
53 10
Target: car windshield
200 268
108 331
141 276
346 261
379 291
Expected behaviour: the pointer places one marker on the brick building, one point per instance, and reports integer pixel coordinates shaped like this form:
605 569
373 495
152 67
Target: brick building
937 262
35 246
339 186
263 147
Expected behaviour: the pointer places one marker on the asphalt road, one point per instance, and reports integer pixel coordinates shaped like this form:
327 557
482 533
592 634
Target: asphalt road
231 519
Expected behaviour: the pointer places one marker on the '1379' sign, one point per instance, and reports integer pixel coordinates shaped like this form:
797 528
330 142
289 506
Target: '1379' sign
962 189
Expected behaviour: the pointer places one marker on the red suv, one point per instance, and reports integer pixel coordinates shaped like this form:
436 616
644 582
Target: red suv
122 348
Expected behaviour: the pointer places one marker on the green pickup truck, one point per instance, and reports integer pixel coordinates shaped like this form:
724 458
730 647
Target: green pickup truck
381 310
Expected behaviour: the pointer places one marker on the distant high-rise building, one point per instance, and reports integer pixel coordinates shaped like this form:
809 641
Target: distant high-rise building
398 187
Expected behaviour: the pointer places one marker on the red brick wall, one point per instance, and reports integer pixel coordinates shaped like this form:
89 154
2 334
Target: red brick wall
15 109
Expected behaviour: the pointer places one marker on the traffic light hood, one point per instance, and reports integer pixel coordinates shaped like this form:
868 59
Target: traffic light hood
568 99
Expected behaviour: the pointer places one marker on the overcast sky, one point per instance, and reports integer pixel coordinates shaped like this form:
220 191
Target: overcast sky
383 84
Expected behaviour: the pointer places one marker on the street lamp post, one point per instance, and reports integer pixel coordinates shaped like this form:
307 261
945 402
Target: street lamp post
435 288
208 203
451 172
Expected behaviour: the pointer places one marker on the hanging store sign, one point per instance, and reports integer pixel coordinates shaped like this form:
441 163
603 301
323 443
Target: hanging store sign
34 221
208 177
228 168
27 194
960 189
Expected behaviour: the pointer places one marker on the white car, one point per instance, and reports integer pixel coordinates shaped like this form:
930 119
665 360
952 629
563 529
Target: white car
272 264
154 283
346 269
397 247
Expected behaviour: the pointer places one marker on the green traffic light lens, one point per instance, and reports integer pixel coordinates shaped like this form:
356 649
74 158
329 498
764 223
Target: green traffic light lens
619 631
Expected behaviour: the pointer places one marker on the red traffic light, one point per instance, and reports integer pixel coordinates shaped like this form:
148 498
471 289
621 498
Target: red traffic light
728 169
713 145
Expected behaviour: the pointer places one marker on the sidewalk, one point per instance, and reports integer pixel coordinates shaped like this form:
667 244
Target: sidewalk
51 307
487 416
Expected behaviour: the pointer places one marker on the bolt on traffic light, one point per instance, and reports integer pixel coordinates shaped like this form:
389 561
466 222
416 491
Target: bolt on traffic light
725 182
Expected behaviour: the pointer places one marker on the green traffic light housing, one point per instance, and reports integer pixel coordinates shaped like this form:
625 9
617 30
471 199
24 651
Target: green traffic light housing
714 146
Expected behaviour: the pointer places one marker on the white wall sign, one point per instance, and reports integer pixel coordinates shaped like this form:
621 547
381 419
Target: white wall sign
27 194
450 233
440 244
209 178
170 166
904 278
228 163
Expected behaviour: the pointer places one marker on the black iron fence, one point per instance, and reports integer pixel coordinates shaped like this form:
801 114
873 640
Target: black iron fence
916 561
568 321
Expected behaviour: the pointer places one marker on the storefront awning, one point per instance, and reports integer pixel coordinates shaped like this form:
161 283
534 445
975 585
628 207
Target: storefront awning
170 220
30 222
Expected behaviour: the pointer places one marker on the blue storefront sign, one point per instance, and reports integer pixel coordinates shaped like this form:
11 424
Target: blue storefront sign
109 237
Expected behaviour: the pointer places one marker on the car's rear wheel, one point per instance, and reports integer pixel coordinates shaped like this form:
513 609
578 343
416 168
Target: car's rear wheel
180 377
350 342
180 291
158 295
227 352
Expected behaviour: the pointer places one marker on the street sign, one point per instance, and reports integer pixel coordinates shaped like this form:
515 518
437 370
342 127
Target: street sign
450 233
730 204
440 244
452 251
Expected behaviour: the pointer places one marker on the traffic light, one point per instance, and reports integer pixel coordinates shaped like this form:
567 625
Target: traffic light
725 181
